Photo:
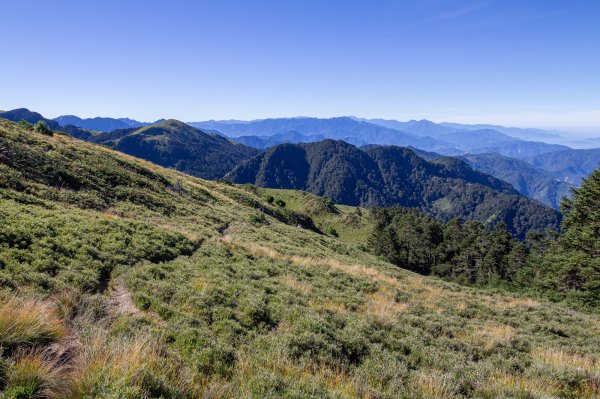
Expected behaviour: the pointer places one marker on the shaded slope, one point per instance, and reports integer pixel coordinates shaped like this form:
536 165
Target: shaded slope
383 176
99 123
177 145
530 181
23 114
568 165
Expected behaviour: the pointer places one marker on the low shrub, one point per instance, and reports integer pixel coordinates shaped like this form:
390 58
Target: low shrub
42 128
279 202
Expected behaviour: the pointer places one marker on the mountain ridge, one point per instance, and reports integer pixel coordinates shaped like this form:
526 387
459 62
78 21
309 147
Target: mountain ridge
390 175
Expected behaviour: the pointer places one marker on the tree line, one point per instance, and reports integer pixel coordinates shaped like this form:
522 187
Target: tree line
560 266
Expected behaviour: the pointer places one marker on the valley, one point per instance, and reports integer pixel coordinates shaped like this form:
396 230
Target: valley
229 301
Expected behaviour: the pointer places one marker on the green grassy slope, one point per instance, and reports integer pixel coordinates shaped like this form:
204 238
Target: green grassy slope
351 223
122 279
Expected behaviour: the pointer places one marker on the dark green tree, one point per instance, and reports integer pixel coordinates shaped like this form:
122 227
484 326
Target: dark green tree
41 127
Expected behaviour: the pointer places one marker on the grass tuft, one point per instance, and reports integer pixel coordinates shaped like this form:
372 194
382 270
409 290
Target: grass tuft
128 367
28 322
33 375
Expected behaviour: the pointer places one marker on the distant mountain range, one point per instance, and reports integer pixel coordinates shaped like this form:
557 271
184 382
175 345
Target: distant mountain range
568 165
424 135
533 182
545 172
443 138
98 123
333 128
389 175
525 134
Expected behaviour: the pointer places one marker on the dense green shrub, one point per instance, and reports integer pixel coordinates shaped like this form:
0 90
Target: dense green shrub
257 218
331 231
279 202
41 127
25 125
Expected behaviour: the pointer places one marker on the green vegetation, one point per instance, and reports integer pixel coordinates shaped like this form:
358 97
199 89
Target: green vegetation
177 145
565 267
381 176
280 202
570 265
352 224
25 125
41 127
135 281
547 187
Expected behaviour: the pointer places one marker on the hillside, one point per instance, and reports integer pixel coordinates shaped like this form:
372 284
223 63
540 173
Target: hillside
423 134
383 176
99 123
489 140
568 165
536 183
138 281
349 223
263 142
333 128
23 114
177 145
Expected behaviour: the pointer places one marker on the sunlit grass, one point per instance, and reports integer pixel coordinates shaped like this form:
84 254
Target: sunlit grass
33 375
27 322
127 367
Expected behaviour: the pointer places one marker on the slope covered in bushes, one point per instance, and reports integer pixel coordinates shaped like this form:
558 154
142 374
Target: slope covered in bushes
137 281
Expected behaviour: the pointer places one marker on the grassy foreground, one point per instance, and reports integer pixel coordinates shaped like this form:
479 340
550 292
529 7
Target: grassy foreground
121 279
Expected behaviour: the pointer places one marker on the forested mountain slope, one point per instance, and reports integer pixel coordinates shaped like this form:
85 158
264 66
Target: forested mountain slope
383 176
531 181
569 165
177 145
99 123
123 279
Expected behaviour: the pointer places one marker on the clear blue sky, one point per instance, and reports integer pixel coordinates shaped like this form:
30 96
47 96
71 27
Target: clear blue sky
526 63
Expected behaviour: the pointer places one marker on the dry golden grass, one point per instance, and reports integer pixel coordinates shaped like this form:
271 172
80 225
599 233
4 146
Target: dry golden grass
38 376
503 384
296 284
505 303
310 372
123 363
108 214
29 322
494 333
384 307
560 358
433 385
331 305
267 252
200 284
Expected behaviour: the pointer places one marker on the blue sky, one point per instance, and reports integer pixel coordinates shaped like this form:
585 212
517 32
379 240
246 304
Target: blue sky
523 63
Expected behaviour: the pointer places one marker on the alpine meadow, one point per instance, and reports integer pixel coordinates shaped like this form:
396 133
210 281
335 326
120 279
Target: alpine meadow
172 228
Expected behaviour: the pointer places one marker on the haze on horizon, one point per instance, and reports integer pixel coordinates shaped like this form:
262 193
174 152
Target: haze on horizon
515 63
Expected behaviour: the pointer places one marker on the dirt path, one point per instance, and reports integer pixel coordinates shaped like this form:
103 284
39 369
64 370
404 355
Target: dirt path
121 298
